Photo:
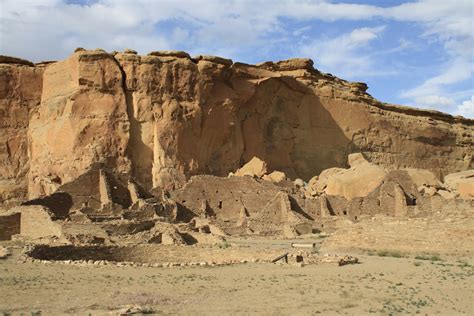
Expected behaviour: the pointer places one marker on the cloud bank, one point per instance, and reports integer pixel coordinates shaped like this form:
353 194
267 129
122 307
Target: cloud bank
351 40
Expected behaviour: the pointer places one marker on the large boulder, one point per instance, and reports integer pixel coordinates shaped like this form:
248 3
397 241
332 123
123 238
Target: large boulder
254 168
461 182
318 184
4 252
358 181
275 176
423 177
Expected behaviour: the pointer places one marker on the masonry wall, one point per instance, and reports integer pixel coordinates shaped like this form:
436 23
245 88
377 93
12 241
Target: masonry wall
36 223
9 226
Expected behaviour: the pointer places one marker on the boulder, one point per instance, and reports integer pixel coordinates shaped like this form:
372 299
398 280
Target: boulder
275 176
356 159
358 181
299 183
348 260
423 189
317 185
254 168
215 59
423 177
129 51
446 194
295 64
4 252
461 182
170 53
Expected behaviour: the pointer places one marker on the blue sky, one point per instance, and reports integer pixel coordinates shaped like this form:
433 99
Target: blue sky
418 53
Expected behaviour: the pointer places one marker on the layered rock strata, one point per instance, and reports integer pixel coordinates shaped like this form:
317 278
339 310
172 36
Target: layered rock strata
165 117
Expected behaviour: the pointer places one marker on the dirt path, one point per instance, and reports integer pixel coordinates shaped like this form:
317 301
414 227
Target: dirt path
380 285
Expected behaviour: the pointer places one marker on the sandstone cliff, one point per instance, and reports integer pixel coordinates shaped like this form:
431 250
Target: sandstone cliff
20 93
164 117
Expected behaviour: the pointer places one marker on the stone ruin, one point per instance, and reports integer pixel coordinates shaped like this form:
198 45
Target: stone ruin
117 148
104 208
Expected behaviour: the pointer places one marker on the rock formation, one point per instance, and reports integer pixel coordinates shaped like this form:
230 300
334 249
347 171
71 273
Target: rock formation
20 94
165 117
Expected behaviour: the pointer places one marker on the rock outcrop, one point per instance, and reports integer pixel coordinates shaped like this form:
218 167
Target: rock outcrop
165 117
81 121
358 181
20 93
462 183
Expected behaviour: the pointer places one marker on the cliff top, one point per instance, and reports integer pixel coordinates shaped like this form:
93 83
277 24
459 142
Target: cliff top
260 70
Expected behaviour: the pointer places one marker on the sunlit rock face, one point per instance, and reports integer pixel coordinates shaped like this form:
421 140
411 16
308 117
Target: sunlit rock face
164 117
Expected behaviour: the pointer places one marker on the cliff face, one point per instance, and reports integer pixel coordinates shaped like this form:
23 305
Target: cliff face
165 117
81 121
20 93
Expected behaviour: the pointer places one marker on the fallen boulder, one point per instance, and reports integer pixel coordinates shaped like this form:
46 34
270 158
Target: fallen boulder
275 176
4 252
254 168
462 183
359 180
424 177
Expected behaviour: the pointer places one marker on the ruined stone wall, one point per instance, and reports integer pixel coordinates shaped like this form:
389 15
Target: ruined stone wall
36 222
9 225
225 196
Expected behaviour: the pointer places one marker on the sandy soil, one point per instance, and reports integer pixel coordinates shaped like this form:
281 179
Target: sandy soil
380 285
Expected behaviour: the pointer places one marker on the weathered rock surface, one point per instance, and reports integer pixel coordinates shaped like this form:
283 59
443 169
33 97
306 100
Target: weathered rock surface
462 183
20 94
358 181
165 117
423 177
4 252
82 121
254 168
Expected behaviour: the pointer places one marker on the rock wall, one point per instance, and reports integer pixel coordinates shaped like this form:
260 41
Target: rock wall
37 222
20 93
164 117
9 225
207 115
81 122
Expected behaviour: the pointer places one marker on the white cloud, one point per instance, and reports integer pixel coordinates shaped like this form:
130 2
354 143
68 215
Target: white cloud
446 19
434 101
451 23
51 29
433 93
345 55
466 109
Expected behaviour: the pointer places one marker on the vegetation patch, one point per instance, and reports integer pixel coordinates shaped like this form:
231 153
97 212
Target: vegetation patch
429 258
387 253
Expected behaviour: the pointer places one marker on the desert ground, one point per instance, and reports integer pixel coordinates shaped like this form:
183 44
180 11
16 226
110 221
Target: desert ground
406 268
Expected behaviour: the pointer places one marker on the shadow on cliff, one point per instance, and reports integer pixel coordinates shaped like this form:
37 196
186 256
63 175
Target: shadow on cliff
286 124
141 154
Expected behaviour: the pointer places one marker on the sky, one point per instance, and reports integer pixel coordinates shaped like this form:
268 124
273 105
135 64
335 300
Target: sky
417 53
